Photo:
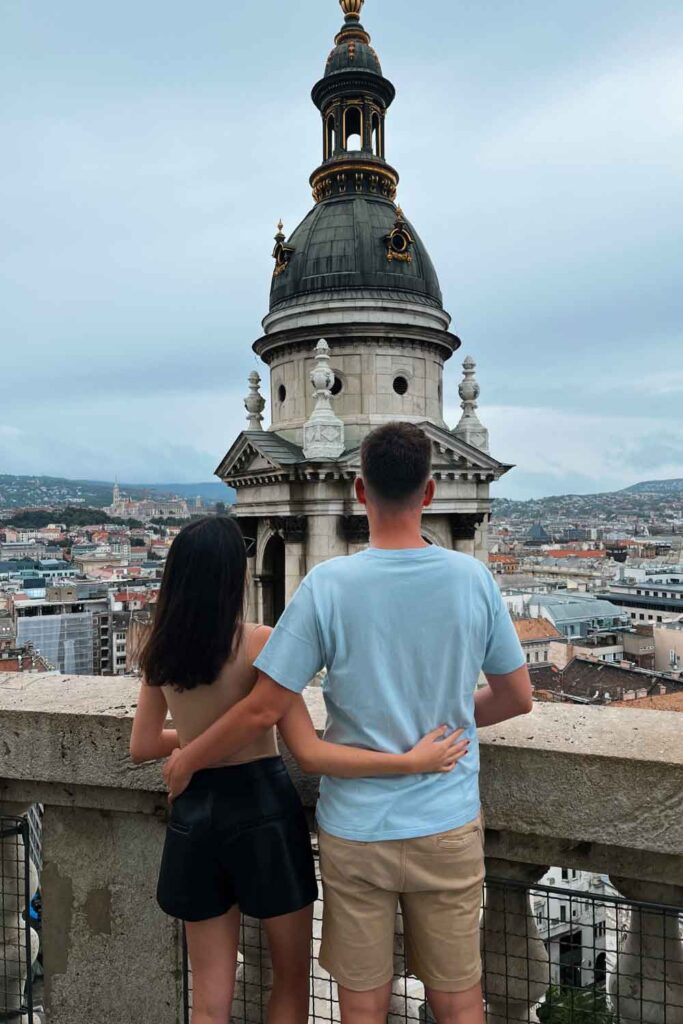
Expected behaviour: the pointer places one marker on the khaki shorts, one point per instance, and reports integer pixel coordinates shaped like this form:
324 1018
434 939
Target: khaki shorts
437 880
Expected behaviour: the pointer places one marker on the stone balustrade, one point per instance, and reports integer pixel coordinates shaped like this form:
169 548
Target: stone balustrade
594 789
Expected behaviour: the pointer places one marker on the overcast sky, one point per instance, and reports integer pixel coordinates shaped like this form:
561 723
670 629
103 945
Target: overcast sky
149 148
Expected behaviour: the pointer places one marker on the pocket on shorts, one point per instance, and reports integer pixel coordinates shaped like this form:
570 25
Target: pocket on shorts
179 828
460 838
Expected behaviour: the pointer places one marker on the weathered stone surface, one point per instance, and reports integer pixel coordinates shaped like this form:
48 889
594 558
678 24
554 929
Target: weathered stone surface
71 729
107 946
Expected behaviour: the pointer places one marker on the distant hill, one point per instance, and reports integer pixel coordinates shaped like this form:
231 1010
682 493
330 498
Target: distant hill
656 487
653 496
27 491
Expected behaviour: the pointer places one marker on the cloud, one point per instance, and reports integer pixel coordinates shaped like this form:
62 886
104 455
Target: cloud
556 451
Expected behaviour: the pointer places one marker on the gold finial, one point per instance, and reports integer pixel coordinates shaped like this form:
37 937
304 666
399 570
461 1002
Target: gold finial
352 8
280 225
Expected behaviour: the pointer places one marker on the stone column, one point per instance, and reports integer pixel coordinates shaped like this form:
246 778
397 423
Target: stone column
293 530
252 608
14 961
258 599
516 964
109 951
355 531
295 568
324 540
647 987
464 531
481 541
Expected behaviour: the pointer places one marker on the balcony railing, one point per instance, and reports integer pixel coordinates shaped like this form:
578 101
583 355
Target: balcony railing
595 790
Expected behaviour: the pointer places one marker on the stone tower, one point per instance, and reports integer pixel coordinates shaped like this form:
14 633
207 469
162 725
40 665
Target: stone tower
356 335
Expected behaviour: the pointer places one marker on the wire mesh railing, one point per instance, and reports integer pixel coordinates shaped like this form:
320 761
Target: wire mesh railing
551 955
579 953
18 940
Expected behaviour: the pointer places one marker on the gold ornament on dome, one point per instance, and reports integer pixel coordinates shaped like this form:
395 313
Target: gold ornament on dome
351 8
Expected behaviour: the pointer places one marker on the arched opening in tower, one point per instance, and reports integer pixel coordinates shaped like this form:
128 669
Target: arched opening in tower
376 135
273 580
353 129
330 137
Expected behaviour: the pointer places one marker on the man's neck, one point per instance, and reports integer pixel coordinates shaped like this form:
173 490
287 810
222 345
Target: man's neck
395 535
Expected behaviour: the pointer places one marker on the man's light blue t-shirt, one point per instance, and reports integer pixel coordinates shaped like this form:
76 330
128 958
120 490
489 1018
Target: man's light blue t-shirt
404 635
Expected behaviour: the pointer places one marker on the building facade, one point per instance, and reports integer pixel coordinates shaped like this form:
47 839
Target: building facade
356 274
656 598
668 641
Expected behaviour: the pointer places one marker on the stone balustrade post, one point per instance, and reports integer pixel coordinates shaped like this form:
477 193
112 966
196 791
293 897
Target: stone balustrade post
647 986
515 961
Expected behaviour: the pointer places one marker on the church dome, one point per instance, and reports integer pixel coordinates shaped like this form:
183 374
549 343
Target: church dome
353 54
356 242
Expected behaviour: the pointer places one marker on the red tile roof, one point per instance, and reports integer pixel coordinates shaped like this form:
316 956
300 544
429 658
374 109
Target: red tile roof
535 629
661 702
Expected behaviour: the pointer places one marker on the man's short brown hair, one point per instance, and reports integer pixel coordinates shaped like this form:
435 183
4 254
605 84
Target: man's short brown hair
396 462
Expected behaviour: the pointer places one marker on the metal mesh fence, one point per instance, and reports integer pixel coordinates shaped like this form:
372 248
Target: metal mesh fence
18 941
551 955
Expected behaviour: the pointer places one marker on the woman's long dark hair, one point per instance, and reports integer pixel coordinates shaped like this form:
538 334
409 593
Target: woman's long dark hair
200 608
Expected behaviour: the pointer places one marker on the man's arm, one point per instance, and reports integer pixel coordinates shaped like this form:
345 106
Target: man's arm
506 696
263 708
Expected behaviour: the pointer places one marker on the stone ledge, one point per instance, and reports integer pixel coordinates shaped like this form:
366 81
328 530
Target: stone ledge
589 787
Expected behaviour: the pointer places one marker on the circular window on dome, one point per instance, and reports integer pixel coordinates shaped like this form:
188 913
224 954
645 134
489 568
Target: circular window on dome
400 385
338 385
399 243
282 393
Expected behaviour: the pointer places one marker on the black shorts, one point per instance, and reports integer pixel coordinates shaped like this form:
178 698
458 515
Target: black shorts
237 835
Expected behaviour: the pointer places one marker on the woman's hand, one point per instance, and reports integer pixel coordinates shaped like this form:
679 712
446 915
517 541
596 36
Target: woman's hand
438 752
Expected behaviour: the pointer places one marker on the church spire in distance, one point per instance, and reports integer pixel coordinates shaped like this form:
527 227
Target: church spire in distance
353 98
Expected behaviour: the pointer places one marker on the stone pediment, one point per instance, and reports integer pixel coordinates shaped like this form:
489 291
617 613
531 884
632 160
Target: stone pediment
450 455
258 452
264 454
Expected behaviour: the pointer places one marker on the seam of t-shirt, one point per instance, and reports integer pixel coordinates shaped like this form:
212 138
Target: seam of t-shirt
431 549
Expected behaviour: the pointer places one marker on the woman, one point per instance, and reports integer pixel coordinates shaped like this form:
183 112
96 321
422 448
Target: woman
238 839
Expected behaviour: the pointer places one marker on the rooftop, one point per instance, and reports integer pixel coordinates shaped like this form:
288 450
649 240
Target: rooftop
535 629
661 702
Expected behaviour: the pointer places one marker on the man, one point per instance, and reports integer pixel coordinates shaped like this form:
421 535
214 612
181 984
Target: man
404 630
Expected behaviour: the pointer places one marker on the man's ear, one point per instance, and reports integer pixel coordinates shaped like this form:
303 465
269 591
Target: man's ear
360 491
430 491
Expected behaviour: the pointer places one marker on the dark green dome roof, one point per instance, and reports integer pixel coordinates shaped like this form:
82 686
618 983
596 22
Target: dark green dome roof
342 244
353 55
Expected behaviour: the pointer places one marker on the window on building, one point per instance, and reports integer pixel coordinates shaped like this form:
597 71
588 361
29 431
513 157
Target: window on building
563 913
